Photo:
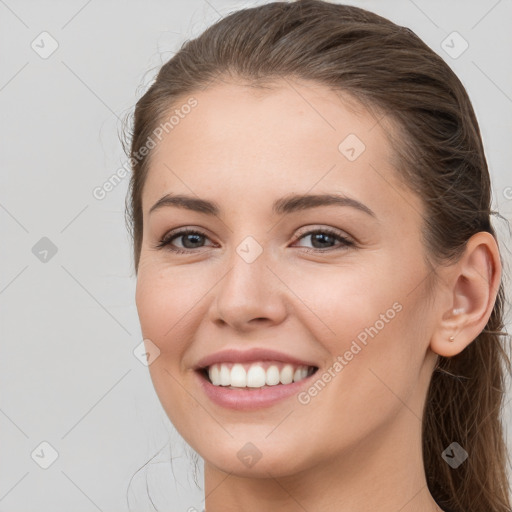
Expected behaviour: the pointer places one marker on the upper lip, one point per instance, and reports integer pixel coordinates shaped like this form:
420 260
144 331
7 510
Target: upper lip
246 356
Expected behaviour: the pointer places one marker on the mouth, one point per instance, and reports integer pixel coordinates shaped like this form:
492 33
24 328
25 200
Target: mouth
254 378
255 375
253 386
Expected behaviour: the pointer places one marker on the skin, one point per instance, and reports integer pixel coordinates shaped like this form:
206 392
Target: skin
356 446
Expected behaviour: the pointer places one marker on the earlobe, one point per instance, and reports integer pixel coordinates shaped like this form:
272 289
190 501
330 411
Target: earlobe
473 284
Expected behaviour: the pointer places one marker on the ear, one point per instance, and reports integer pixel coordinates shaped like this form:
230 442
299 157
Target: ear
469 297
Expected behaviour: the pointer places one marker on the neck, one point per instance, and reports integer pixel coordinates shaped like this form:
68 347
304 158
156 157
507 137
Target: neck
383 472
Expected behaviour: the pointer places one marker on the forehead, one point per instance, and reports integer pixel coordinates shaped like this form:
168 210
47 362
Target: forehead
290 136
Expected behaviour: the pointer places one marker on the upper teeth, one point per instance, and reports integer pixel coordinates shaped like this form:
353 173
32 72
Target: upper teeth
255 375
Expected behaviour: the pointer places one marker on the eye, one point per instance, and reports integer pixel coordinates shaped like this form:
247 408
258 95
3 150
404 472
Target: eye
190 239
322 240
325 238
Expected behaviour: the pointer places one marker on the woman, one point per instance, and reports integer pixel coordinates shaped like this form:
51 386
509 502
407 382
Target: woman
318 281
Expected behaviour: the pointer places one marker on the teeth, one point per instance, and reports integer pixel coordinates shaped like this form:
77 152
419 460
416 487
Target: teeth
286 376
238 376
272 376
256 375
225 377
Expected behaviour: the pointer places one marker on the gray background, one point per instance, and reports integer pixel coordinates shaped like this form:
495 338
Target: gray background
69 327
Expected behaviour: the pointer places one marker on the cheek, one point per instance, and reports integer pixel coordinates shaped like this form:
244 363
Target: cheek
365 320
341 301
165 300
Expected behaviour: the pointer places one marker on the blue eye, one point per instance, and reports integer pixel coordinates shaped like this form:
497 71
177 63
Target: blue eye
323 239
190 239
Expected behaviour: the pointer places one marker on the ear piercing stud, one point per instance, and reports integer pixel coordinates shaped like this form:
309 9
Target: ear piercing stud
456 311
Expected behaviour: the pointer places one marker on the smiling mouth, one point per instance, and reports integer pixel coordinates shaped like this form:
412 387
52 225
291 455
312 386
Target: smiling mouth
257 375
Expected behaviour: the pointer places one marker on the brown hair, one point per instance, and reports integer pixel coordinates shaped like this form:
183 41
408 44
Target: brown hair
439 154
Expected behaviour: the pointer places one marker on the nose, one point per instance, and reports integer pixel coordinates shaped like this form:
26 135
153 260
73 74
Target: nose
250 295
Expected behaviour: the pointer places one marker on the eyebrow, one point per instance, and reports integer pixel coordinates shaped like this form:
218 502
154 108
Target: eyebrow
288 204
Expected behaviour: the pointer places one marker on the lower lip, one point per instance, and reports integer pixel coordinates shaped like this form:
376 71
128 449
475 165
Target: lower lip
247 399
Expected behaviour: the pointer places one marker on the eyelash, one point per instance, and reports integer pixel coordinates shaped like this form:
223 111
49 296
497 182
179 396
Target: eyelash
167 239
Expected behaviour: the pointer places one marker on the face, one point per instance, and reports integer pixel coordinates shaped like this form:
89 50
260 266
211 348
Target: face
338 284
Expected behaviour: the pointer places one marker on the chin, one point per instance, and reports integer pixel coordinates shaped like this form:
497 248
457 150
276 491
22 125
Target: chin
256 459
